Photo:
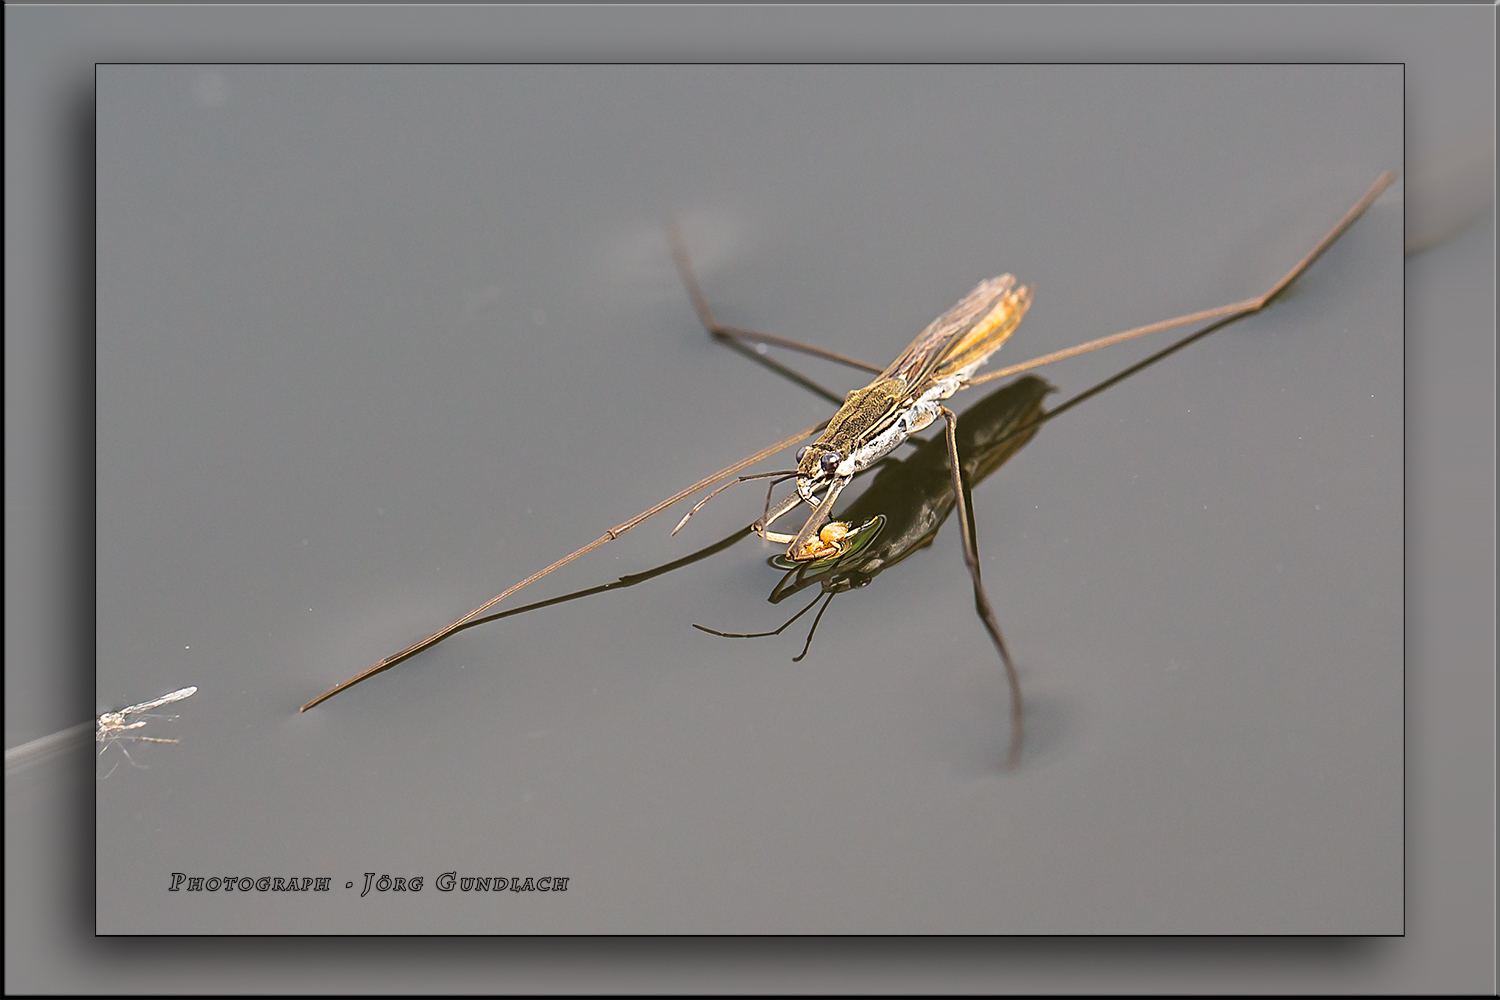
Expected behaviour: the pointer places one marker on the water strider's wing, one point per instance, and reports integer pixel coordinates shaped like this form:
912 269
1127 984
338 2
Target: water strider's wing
965 335
961 338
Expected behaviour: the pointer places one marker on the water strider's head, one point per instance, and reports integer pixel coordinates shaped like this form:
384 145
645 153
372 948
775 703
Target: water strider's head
817 465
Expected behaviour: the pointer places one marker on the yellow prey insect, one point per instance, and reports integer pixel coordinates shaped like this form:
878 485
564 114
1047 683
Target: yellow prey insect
906 396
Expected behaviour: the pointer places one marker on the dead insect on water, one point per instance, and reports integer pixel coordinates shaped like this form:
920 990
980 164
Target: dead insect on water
906 396
111 728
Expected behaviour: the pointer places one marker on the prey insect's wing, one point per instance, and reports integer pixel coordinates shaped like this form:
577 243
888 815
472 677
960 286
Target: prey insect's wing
965 335
165 699
111 729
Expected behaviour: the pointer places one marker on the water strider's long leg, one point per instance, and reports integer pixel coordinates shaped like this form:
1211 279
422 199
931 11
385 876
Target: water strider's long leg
628 580
1241 308
1223 313
734 334
1238 308
608 536
785 371
981 599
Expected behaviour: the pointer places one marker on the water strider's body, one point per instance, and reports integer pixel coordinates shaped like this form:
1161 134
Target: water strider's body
902 400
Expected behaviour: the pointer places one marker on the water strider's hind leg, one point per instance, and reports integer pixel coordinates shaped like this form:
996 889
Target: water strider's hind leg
1234 309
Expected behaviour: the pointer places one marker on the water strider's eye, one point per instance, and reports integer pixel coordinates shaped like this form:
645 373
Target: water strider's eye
802 451
830 461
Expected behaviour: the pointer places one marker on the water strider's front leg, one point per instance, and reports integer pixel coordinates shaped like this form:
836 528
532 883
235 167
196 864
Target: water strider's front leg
819 537
763 526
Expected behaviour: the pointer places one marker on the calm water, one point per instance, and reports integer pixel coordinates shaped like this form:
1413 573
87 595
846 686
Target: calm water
377 342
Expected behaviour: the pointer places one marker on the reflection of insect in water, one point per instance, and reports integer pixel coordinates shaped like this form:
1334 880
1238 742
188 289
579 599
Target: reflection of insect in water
905 505
113 729
906 396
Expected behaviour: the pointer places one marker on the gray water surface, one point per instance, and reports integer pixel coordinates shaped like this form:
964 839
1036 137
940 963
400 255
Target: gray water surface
376 342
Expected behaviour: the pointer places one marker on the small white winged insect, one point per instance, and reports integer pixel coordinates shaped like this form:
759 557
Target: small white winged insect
113 727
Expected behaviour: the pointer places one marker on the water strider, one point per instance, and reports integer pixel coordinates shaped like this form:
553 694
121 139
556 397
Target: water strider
906 396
